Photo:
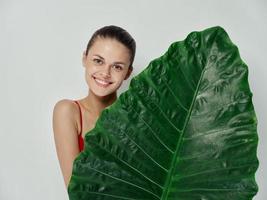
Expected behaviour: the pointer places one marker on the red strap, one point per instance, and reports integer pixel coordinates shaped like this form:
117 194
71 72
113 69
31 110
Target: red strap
81 142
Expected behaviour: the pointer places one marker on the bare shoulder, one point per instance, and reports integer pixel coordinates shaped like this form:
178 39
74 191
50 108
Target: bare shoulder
65 114
65 106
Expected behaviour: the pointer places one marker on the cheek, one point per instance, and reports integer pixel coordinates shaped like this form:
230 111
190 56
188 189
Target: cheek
119 77
88 75
90 70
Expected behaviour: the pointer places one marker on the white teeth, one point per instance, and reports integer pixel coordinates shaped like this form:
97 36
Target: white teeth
101 82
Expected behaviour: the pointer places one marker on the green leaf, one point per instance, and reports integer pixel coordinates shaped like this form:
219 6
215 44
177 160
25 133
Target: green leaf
185 129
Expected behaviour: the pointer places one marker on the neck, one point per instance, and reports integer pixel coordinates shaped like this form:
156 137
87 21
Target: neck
96 104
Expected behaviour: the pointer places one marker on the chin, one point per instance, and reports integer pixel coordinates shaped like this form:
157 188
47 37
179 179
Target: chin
102 94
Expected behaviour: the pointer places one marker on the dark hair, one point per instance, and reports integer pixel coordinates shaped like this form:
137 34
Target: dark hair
118 33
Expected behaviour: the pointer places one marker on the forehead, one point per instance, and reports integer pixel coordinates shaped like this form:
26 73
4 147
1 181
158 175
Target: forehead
109 48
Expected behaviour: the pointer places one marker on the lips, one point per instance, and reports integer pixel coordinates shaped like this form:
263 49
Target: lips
102 83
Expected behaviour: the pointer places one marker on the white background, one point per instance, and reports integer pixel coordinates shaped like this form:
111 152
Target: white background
41 44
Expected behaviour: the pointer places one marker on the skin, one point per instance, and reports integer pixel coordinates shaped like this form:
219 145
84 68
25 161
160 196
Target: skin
66 118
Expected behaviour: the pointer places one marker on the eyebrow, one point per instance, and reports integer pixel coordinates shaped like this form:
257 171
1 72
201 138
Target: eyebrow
104 59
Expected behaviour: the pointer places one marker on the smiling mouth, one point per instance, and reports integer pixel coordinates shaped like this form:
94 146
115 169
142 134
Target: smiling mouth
101 83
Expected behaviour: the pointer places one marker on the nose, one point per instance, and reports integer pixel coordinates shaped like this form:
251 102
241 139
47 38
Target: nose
106 71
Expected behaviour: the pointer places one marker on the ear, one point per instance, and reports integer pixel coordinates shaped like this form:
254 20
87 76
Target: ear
84 59
130 69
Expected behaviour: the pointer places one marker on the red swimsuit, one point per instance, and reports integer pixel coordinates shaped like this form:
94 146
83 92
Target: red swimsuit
80 138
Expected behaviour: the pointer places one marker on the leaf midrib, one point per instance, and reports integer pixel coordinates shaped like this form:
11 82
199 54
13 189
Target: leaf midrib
174 161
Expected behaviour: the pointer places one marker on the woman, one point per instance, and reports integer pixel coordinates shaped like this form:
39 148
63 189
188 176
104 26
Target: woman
108 62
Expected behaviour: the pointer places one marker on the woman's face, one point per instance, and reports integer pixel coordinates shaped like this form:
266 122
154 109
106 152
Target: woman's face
106 66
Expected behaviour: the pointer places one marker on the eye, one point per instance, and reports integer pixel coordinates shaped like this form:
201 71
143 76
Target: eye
118 67
97 61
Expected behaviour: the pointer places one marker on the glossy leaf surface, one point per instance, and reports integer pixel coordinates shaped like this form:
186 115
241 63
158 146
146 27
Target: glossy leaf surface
184 130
